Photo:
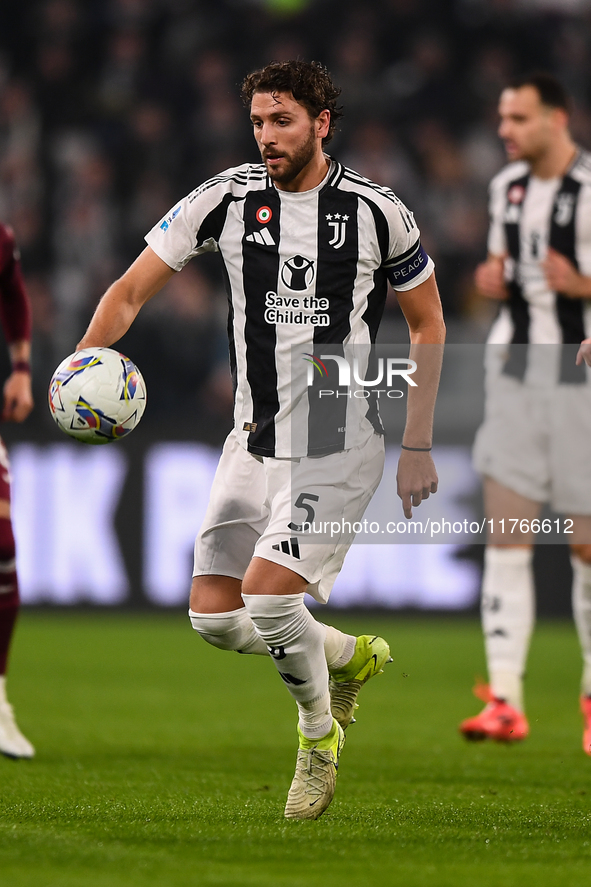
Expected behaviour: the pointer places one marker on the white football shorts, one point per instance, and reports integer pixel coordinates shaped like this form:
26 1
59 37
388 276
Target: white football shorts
267 507
536 440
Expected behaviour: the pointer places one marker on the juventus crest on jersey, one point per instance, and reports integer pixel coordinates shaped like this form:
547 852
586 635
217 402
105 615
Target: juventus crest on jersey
528 215
304 270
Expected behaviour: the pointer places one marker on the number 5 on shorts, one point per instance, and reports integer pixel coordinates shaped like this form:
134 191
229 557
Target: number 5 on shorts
310 513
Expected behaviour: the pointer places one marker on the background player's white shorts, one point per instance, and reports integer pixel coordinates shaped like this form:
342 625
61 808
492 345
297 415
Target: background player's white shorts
253 501
537 442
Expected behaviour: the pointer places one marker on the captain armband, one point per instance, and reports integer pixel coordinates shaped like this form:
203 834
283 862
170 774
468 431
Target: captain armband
405 268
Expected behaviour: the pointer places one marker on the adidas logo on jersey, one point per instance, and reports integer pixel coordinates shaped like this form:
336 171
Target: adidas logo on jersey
288 546
263 237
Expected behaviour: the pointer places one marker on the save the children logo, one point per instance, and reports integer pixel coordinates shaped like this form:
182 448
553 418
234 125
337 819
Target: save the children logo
297 273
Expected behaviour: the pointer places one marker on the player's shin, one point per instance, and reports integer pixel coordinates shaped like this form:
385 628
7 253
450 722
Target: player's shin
234 630
582 614
229 631
296 643
12 742
9 596
9 607
508 611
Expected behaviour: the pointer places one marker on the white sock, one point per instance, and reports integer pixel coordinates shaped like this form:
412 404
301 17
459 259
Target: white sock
582 614
338 647
508 612
296 643
235 631
229 631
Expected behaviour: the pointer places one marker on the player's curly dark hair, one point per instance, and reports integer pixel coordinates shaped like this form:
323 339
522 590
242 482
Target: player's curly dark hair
550 90
309 83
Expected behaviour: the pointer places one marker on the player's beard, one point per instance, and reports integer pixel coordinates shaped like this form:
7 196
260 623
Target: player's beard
295 162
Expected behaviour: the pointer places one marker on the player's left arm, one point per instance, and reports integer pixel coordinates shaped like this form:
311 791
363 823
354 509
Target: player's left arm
417 477
562 276
584 353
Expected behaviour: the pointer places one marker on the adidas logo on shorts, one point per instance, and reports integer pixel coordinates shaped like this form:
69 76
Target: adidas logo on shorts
289 546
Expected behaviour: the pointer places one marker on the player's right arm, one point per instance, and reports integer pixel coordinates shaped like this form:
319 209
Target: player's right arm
490 278
121 303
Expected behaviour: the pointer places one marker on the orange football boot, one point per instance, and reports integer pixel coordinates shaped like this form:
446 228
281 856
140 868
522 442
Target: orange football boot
498 721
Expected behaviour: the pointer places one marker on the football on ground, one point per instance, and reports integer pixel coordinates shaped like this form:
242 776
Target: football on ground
97 395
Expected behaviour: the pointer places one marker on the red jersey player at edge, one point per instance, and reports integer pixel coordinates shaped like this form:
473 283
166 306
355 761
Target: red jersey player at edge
274 225
15 316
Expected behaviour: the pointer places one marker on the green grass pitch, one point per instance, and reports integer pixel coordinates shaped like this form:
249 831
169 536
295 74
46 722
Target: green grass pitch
162 761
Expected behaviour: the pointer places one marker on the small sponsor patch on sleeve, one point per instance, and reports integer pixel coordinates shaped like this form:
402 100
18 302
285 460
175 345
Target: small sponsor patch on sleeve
249 426
404 268
167 222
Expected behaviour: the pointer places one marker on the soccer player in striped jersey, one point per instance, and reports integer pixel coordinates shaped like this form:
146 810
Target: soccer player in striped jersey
533 446
308 248
15 316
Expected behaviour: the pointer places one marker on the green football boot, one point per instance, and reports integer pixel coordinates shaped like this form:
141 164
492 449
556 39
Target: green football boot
315 777
370 656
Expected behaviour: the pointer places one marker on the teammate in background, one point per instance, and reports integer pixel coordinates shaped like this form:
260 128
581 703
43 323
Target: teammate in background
533 446
15 316
308 247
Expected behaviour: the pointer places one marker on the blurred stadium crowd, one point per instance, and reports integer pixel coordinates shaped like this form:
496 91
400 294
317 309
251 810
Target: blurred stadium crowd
110 110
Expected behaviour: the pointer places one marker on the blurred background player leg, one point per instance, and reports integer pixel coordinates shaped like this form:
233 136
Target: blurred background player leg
507 623
12 742
581 563
508 614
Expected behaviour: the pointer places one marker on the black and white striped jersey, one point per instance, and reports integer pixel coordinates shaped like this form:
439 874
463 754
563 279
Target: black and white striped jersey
528 215
304 270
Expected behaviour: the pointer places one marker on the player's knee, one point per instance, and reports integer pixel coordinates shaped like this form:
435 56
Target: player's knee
8 580
7 549
582 552
221 630
266 578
